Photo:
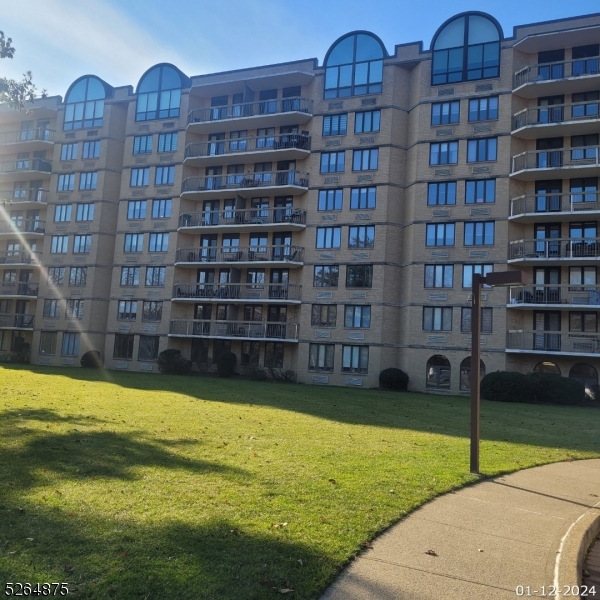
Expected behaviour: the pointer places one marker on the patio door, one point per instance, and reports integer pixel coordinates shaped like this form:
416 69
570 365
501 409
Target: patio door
548 195
547 248
551 109
547 285
544 322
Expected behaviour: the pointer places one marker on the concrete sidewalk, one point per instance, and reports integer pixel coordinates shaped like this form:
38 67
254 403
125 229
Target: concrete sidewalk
481 541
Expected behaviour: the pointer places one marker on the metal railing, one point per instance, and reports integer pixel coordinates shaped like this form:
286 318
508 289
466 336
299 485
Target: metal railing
27 135
557 70
555 248
557 113
250 144
250 109
24 226
556 159
238 291
581 295
15 257
555 203
553 341
244 216
242 181
26 164
233 254
18 288
24 195
21 321
234 329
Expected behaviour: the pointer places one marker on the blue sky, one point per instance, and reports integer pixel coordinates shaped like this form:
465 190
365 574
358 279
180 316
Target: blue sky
60 40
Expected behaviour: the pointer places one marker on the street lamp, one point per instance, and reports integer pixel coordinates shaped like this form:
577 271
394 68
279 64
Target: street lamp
493 279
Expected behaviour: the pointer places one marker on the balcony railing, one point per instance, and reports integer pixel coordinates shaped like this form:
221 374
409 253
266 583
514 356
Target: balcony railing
235 254
18 288
250 109
557 70
555 249
234 329
27 135
555 203
238 291
557 113
553 341
570 295
18 257
24 195
248 216
17 321
251 144
556 159
24 226
249 180
26 164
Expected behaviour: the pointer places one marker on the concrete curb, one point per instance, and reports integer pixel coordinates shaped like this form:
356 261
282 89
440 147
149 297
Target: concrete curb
571 553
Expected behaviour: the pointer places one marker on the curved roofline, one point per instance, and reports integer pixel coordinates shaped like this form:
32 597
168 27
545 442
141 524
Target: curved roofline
108 89
185 80
465 14
343 37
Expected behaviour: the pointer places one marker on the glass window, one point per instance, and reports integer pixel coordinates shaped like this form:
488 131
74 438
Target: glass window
142 144
70 344
134 242
330 199
68 152
167 142
479 233
139 177
51 309
445 113
91 150
164 175
363 198
485 322
439 276
442 193
123 348
329 237
320 357
354 66
274 352
323 315
88 181
127 310
335 125
159 93
78 276
437 318
468 271
362 236
359 276
367 121
74 309
56 275
59 244
355 359
66 182
159 242
85 212
152 311
161 209
332 162
440 234
365 160
485 149
130 276
82 244
483 109
357 317
155 276
62 213
148 349
47 342
326 275
84 104
443 153
136 209
584 322
481 190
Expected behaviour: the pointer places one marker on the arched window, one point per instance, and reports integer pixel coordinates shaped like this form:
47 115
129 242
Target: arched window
438 372
465 373
85 103
159 93
546 368
466 48
588 376
354 66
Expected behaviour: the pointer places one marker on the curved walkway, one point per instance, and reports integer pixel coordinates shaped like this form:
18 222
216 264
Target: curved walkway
481 541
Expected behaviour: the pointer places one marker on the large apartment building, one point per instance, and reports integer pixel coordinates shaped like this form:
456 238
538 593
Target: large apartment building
321 218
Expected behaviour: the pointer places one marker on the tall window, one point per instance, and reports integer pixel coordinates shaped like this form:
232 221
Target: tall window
335 124
329 237
123 346
66 182
47 342
367 121
62 213
485 320
68 152
441 193
365 160
152 310
443 153
85 212
482 150
127 310
440 234
479 233
164 175
136 209
88 181
134 242
359 276
466 48
468 271
159 93
84 104
70 344
155 276
445 113
326 276
130 276
139 177
161 209
148 349
167 142
437 318
363 198
483 109
323 315
59 244
159 242
91 150
332 162
439 276
82 244
78 276
354 66
355 359
142 144
320 357
74 309
357 317
51 309
362 236
482 190
56 275
330 200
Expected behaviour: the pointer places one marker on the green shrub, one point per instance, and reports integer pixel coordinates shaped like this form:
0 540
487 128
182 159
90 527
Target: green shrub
171 362
554 389
258 374
20 352
226 364
393 379
507 386
92 360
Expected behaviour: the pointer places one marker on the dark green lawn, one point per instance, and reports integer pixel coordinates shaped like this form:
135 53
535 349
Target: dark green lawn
144 486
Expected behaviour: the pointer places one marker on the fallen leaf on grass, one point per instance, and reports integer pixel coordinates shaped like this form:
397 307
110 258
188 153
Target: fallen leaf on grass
285 591
278 525
331 480
29 539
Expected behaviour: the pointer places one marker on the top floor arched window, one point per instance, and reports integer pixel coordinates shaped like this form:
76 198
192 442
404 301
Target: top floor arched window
159 93
354 66
85 103
466 48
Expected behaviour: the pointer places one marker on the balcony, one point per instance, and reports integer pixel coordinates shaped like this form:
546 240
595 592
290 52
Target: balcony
280 183
11 321
19 289
23 197
556 120
550 79
254 219
567 251
552 164
237 292
25 169
235 330
251 256
29 226
550 342
19 257
286 146
26 140
251 115
554 296
551 207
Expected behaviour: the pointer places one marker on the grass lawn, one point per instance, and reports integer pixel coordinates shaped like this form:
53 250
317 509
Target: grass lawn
129 485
